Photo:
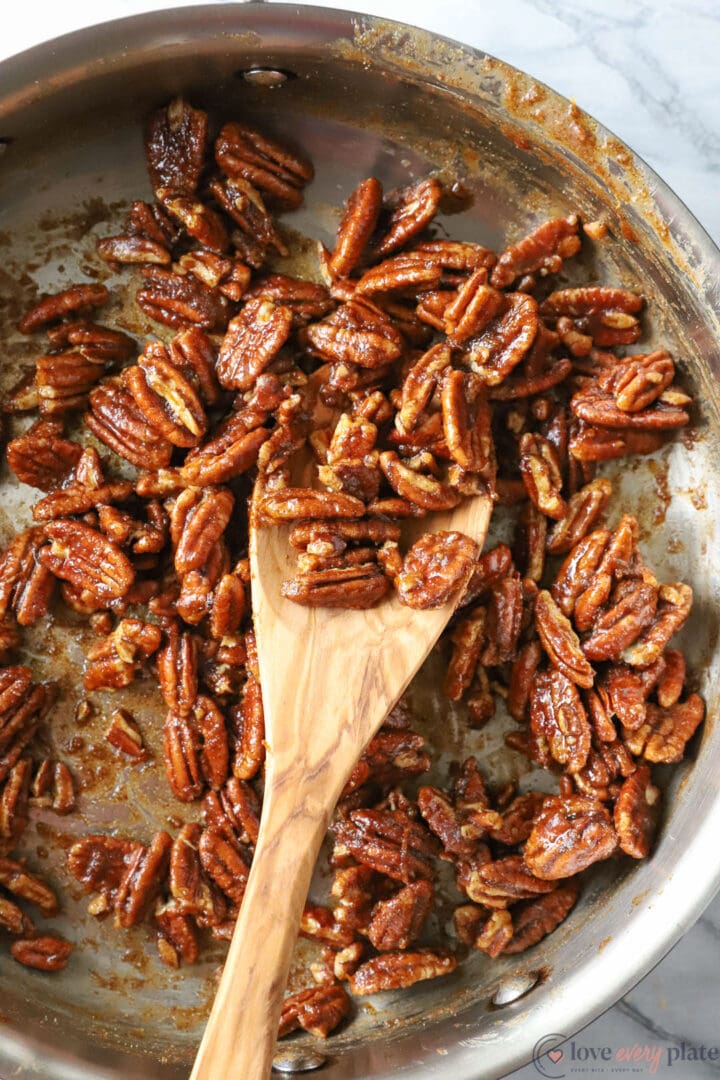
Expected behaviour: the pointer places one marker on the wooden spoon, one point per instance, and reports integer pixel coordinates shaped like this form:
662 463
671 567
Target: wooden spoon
329 678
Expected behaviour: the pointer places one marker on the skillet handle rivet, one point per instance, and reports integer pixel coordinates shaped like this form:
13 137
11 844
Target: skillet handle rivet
297 1061
269 77
513 988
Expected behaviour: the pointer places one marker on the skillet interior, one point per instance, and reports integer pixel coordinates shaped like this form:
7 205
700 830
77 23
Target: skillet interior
368 98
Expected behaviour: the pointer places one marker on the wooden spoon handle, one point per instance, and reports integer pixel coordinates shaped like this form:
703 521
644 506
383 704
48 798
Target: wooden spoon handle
239 1040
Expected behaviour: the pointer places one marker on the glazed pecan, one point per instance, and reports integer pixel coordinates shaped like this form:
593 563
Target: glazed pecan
234 810
584 508
93 341
390 842
137 249
241 151
249 721
42 953
447 823
41 457
500 883
467 422
318 1010
196 749
672 680
125 735
407 274
19 720
347 586
192 892
356 227
542 250
560 641
64 380
14 920
356 333
252 341
504 342
52 786
14 805
291 503
631 608
569 835
232 451
181 300
598 407
116 420
78 298
24 885
535 919
175 139
521 677
396 923
606 316
197 521
541 475
87 560
435 568
26 587
167 400
305 299
396 970
142 880
517 819
413 209
100 864
637 811
420 384
418 488
257 234
468 638
390 757
177 936
589 444
637 381
663 736
558 721
673 609
503 622
223 863
115 661
474 306
198 220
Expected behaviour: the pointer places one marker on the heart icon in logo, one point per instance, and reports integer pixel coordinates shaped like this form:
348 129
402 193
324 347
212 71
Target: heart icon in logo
555 1055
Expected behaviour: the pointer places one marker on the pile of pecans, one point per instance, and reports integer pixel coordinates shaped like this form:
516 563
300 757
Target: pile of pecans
419 371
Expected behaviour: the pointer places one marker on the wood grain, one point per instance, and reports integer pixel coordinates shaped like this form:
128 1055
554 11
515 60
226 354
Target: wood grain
329 679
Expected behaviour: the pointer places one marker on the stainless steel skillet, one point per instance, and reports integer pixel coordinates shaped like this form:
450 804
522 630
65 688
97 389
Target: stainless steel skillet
362 95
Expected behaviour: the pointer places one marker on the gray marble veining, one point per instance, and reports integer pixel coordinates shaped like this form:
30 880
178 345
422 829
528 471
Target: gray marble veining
649 71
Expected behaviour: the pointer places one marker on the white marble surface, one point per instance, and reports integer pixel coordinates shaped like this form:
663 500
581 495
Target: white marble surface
650 72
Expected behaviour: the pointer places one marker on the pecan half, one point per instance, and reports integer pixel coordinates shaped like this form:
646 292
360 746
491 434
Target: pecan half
26 587
64 380
637 811
435 568
582 513
558 721
14 805
41 457
662 738
142 880
115 661
222 861
181 300
356 227
241 151
166 399
42 953
569 835
197 521
27 886
175 138
500 883
390 842
87 560
414 208
249 723
535 919
356 333
560 641
100 863
252 341
540 470
396 923
542 250
396 970
502 345
68 302
116 420
318 1010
